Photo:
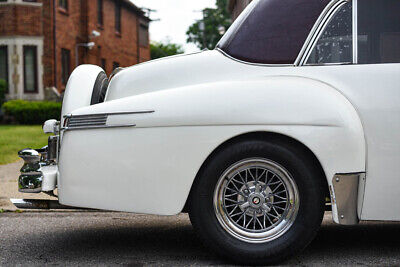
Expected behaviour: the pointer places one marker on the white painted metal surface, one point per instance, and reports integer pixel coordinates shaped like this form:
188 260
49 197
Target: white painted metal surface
347 115
49 182
190 121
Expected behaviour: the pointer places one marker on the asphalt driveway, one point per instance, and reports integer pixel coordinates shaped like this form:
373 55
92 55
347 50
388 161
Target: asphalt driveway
107 238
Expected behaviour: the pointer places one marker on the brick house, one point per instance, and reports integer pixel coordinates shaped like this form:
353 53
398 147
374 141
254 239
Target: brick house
237 6
42 41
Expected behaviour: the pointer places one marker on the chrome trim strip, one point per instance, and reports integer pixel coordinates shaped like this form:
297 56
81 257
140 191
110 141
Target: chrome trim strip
39 204
355 31
250 63
97 127
96 121
326 16
345 194
107 114
315 29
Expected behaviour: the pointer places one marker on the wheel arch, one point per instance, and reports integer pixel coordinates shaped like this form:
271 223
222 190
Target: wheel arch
264 136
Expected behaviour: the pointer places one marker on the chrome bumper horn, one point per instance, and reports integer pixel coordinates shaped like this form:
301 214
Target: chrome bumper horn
31 178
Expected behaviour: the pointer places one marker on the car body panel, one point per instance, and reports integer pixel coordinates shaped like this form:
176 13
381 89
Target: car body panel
195 120
184 107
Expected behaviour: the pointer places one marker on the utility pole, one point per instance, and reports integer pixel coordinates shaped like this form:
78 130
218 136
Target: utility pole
202 28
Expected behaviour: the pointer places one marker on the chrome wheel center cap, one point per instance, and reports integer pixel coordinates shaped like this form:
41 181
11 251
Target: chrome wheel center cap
256 200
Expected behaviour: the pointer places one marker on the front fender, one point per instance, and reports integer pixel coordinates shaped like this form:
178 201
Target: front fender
192 121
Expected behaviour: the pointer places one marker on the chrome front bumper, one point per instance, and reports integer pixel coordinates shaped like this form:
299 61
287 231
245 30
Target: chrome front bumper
39 172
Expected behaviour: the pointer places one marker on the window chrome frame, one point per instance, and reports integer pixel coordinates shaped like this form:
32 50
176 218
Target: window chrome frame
318 29
311 40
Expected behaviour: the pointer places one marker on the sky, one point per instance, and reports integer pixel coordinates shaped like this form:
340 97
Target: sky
175 18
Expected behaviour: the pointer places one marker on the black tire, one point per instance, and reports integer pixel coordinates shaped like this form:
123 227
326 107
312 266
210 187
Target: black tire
311 188
99 89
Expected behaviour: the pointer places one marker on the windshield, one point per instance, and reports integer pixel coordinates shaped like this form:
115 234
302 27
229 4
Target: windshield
272 31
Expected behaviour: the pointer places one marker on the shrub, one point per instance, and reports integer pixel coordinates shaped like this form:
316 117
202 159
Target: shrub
3 87
35 112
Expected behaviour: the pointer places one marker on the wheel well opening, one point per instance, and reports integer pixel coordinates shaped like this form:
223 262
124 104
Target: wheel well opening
264 136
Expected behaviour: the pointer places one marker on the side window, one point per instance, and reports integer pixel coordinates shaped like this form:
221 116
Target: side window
378 31
335 45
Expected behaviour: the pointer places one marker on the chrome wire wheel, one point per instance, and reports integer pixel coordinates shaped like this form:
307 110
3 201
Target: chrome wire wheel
256 200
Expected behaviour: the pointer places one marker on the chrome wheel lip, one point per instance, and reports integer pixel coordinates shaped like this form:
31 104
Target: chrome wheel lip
275 231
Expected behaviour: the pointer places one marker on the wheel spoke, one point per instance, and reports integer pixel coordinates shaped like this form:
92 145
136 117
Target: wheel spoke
232 211
283 198
254 197
254 220
247 225
261 175
279 202
278 207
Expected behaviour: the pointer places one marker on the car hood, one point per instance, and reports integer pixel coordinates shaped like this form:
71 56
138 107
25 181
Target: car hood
171 72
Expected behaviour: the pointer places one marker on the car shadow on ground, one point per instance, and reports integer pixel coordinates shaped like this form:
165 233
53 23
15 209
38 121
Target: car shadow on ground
170 243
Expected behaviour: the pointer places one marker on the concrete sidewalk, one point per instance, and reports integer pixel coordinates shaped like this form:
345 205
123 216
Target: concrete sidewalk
9 186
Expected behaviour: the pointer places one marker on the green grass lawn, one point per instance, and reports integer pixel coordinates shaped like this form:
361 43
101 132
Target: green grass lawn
16 137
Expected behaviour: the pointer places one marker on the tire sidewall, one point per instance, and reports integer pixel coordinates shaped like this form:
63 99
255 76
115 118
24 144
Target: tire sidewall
300 233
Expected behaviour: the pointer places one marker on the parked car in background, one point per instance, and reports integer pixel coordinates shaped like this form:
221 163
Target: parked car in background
298 103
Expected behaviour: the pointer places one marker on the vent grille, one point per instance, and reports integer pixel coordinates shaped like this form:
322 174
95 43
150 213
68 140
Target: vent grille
86 121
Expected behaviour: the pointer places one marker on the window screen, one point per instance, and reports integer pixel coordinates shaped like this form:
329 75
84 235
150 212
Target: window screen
30 69
117 16
4 65
336 42
65 65
273 32
63 4
100 12
143 34
378 31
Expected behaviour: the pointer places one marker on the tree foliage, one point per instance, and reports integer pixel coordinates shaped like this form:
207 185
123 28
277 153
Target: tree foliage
164 49
214 20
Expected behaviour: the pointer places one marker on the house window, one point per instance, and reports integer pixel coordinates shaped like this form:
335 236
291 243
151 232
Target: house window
65 65
118 16
63 4
4 65
103 64
100 12
143 34
115 65
30 69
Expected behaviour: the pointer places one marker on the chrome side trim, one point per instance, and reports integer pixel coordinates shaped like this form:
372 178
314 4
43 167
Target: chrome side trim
315 31
345 195
251 63
97 127
111 113
96 121
326 16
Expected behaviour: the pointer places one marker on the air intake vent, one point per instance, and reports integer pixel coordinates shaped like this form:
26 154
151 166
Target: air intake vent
86 121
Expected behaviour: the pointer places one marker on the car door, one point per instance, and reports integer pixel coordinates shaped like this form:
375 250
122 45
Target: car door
358 53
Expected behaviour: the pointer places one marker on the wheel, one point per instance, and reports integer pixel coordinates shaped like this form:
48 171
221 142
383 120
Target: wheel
257 202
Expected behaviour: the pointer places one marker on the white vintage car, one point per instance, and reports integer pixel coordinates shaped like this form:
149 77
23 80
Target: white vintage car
296 110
